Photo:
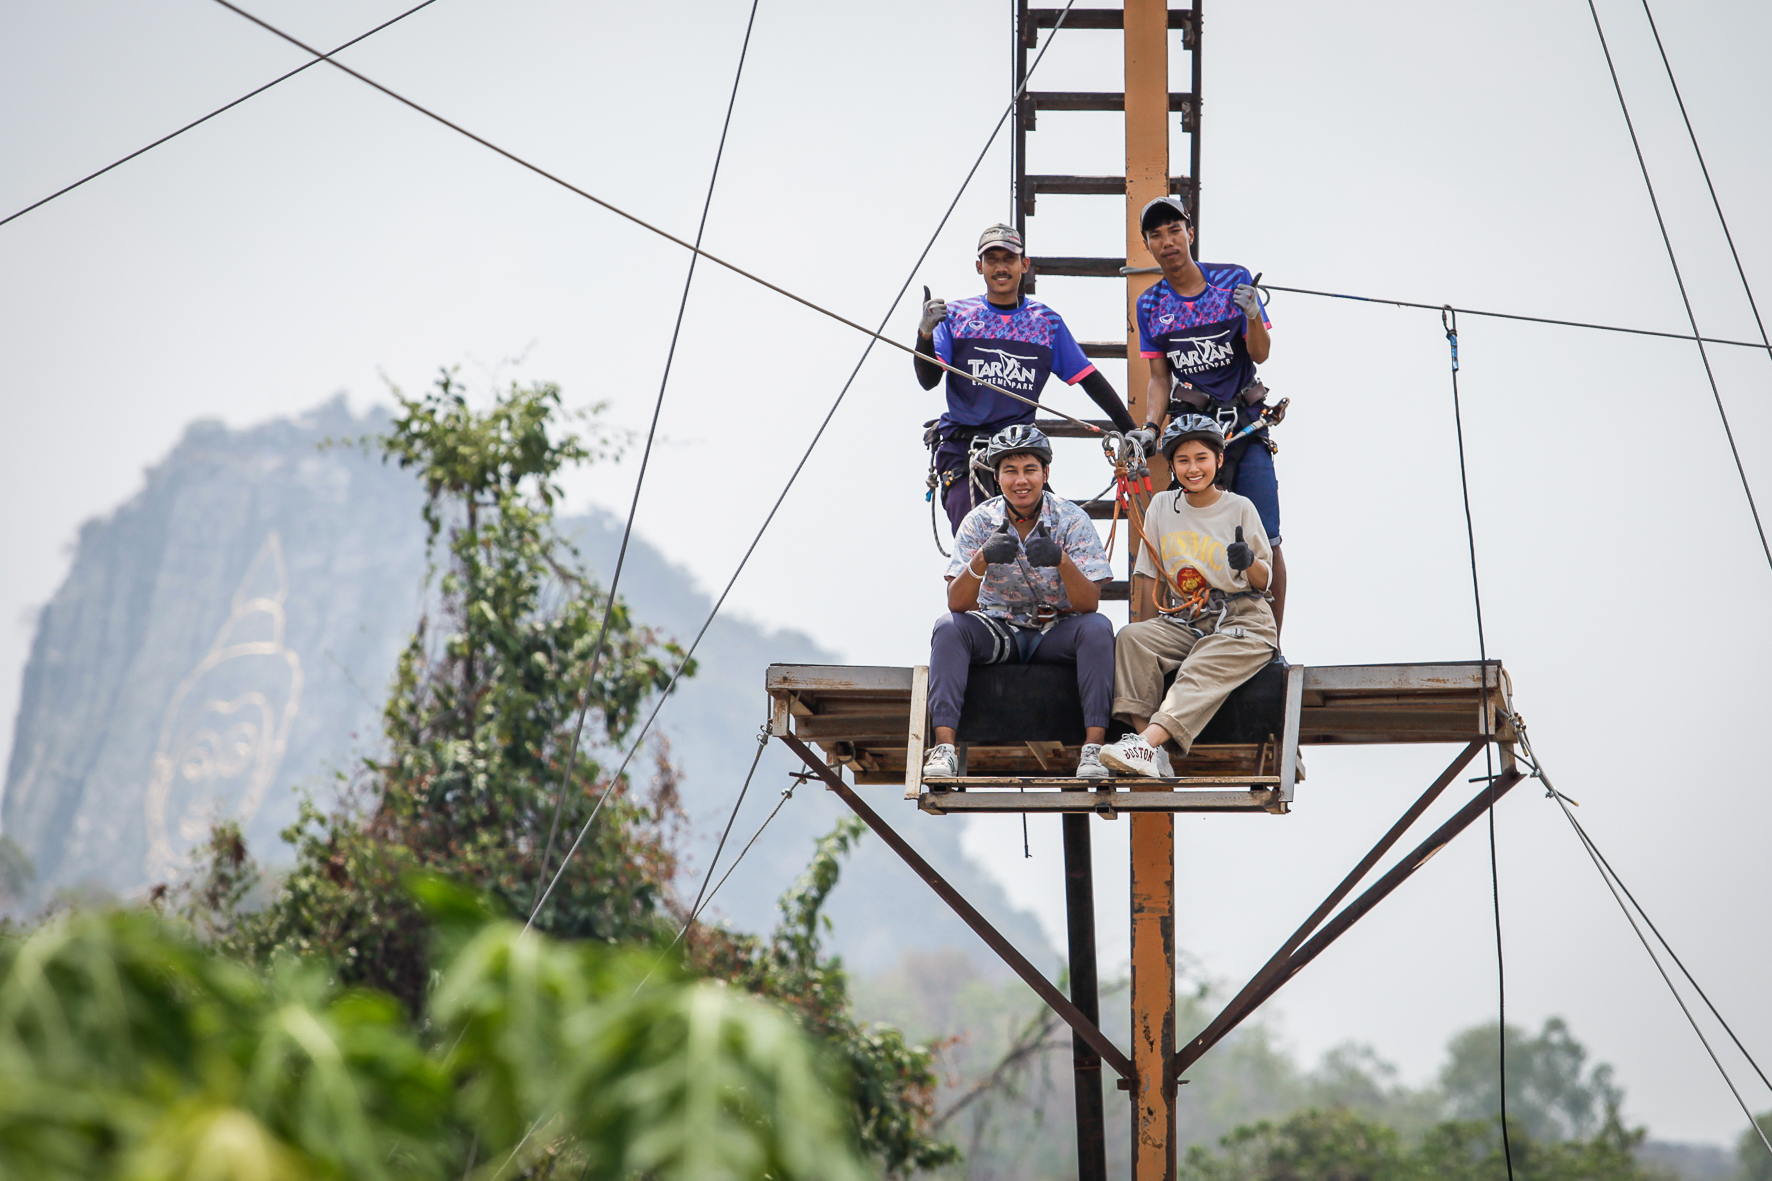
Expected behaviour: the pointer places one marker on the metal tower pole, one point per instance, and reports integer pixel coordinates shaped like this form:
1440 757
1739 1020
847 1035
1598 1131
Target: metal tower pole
1152 834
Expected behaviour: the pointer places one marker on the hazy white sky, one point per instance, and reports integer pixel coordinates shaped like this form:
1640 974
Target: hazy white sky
321 236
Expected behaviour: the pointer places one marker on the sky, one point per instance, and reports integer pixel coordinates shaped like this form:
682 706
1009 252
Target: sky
323 238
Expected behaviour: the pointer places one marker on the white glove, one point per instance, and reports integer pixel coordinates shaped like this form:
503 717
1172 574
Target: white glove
1248 300
1147 439
934 312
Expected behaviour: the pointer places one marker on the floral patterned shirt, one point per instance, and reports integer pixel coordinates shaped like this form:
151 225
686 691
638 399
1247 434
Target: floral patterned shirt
1016 591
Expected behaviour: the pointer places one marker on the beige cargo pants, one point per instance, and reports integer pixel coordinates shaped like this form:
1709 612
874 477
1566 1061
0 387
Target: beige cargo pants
1210 667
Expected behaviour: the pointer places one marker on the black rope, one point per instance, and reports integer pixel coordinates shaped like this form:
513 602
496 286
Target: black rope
1449 321
1679 281
798 467
225 107
627 532
1434 307
1704 168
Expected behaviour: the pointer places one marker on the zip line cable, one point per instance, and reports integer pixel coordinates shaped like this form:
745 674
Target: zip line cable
705 897
1705 169
648 226
225 107
1449 322
1679 281
1435 307
1615 884
627 532
800 466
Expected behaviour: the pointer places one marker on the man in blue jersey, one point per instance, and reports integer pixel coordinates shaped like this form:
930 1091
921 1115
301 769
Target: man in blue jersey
1004 338
1204 330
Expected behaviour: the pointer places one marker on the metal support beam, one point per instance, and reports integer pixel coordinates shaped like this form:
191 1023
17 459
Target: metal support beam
1297 953
993 938
1152 835
1079 906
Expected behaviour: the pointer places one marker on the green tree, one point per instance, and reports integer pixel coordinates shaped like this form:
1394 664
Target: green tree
1337 1144
1550 1089
481 716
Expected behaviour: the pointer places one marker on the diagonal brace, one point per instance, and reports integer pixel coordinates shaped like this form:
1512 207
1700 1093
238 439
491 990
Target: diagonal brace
1297 951
1030 975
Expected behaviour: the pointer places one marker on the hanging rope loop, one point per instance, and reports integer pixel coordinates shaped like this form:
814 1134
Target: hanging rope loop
1449 321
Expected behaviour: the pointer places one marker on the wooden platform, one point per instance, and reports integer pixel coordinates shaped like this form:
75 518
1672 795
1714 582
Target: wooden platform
874 720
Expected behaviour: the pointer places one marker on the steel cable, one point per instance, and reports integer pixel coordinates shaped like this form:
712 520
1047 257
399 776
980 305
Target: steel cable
646 225
1716 203
798 467
627 531
1615 884
1679 281
225 107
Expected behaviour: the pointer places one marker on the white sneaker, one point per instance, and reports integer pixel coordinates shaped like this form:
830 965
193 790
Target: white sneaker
942 763
1089 766
1132 755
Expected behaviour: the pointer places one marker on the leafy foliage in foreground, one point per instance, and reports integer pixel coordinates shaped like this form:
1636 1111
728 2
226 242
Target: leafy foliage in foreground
895 1081
129 1051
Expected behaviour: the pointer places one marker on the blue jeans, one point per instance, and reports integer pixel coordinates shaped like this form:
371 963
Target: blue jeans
1256 480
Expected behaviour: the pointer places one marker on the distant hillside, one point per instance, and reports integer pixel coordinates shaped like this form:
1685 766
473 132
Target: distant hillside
225 638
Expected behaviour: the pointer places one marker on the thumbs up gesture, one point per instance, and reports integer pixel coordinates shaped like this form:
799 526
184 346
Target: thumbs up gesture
1238 553
934 312
1002 546
1042 550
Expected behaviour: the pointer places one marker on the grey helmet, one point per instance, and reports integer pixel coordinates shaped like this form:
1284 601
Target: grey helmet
1020 439
1189 426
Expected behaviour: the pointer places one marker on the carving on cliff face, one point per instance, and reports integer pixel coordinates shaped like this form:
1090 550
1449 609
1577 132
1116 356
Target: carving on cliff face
225 729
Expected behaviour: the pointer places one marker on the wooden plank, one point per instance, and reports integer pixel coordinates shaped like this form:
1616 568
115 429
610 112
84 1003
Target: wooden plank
778 714
919 718
1354 678
964 802
1096 18
970 782
838 678
1047 754
1289 739
851 726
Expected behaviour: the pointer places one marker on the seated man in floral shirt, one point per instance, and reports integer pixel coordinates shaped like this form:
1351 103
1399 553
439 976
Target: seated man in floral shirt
1024 585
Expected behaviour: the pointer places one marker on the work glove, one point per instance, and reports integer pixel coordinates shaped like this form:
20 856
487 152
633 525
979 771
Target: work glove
934 312
1238 553
1001 547
1042 550
1247 300
1147 439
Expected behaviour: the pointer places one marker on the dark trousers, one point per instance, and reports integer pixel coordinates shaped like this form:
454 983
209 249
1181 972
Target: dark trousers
960 496
960 639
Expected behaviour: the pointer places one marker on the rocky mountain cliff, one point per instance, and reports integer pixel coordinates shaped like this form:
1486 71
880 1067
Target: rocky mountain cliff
223 642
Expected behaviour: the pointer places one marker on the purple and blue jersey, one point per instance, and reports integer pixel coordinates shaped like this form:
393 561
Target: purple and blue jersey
1017 350
1200 335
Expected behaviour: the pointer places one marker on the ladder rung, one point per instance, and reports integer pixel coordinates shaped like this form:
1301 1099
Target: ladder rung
1095 185
1107 350
1117 591
1098 18
1097 510
1094 100
1059 428
1095 268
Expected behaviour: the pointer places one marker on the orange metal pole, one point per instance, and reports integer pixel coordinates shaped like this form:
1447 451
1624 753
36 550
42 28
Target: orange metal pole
1152 834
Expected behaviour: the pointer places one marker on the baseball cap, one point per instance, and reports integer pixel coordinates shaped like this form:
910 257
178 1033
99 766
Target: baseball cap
1002 236
1157 212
